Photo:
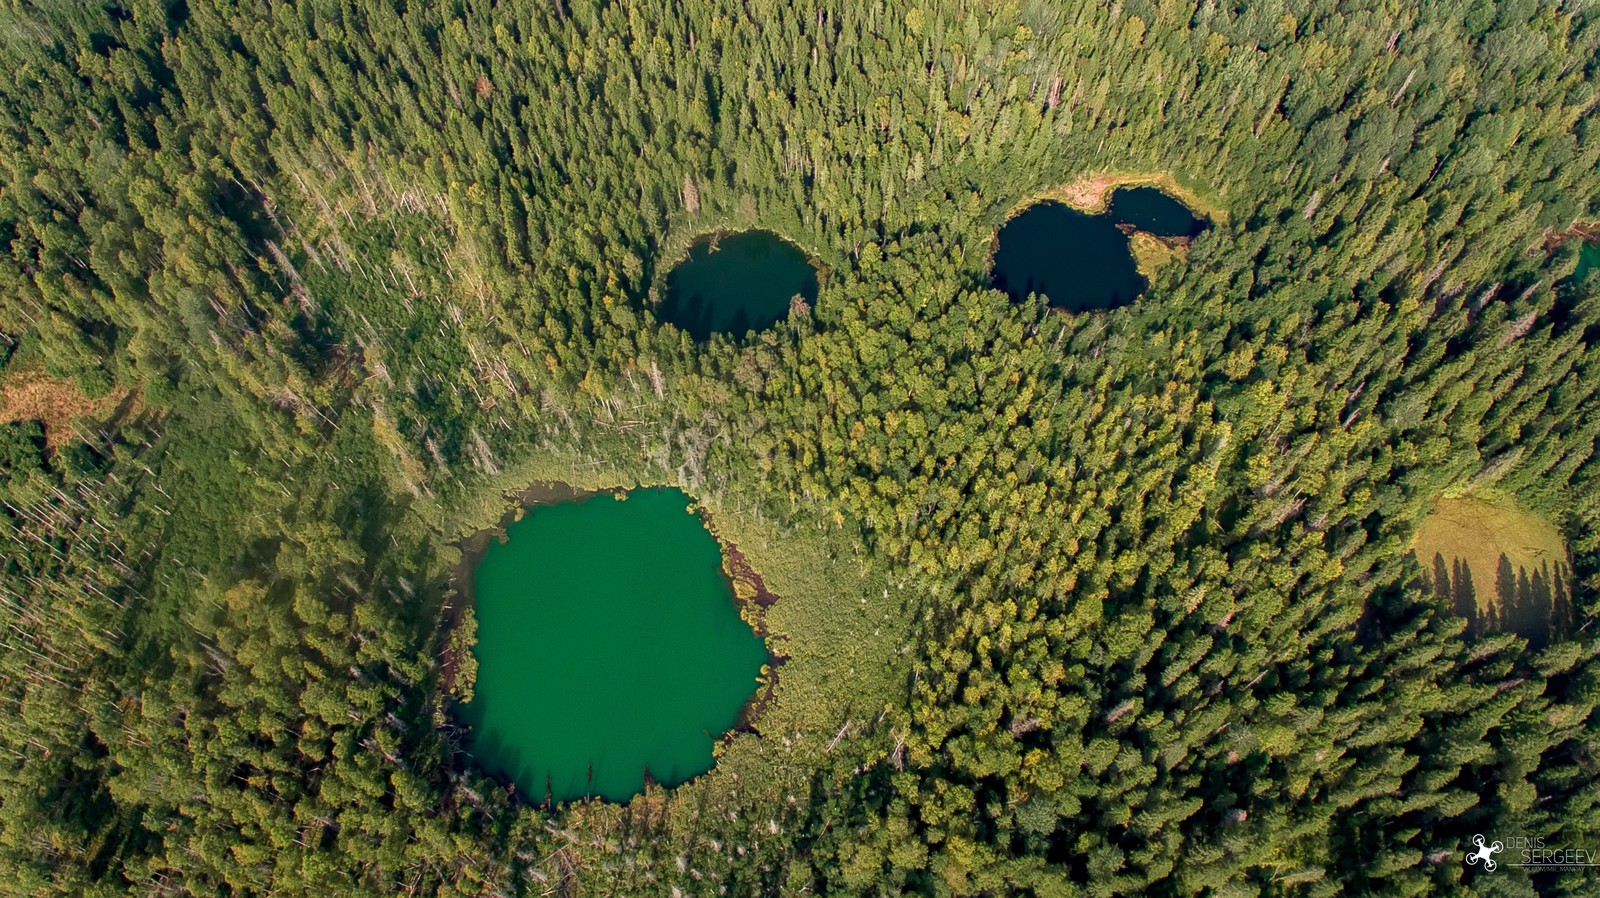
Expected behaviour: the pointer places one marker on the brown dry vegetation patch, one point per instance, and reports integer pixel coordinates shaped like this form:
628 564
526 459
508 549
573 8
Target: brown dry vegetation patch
1586 231
57 404
1092 193
1499 566
754 598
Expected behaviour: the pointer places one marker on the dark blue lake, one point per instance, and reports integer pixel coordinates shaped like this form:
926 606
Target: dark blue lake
735 283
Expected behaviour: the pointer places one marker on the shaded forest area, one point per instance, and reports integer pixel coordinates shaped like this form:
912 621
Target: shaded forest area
1144 614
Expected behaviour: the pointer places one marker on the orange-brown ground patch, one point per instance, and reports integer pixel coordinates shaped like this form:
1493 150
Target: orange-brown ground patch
1092 193
1089 194
57 404
1587 231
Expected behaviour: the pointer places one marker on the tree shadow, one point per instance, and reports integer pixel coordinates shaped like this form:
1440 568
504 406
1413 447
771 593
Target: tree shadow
1533 603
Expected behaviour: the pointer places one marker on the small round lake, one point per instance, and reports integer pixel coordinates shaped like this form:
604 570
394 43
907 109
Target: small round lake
735 283
1078 262
609 648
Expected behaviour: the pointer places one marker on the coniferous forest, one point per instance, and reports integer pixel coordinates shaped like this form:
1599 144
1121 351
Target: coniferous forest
1115 603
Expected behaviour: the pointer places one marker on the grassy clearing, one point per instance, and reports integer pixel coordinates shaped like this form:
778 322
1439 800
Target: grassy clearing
1150 253
1506 554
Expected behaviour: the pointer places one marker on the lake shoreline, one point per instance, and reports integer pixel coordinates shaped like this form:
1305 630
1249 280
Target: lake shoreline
735 282
737 570
459 594
1091 194
676 249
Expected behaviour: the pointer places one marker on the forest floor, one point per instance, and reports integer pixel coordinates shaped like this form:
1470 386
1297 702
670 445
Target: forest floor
1480 532
57 404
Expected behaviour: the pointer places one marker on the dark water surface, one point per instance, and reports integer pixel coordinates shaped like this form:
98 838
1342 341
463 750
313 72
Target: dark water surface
608 643
1079 262
1154 212
737 283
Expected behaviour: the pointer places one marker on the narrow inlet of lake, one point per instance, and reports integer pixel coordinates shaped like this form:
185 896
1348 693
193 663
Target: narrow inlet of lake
1154 212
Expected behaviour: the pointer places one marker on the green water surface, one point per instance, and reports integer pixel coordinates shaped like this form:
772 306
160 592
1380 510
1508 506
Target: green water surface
1588 260
609 643
735 283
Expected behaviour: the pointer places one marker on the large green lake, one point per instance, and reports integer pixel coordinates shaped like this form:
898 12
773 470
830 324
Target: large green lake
735 283
609 644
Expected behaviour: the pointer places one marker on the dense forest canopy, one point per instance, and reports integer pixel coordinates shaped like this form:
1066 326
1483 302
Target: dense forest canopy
1103 604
